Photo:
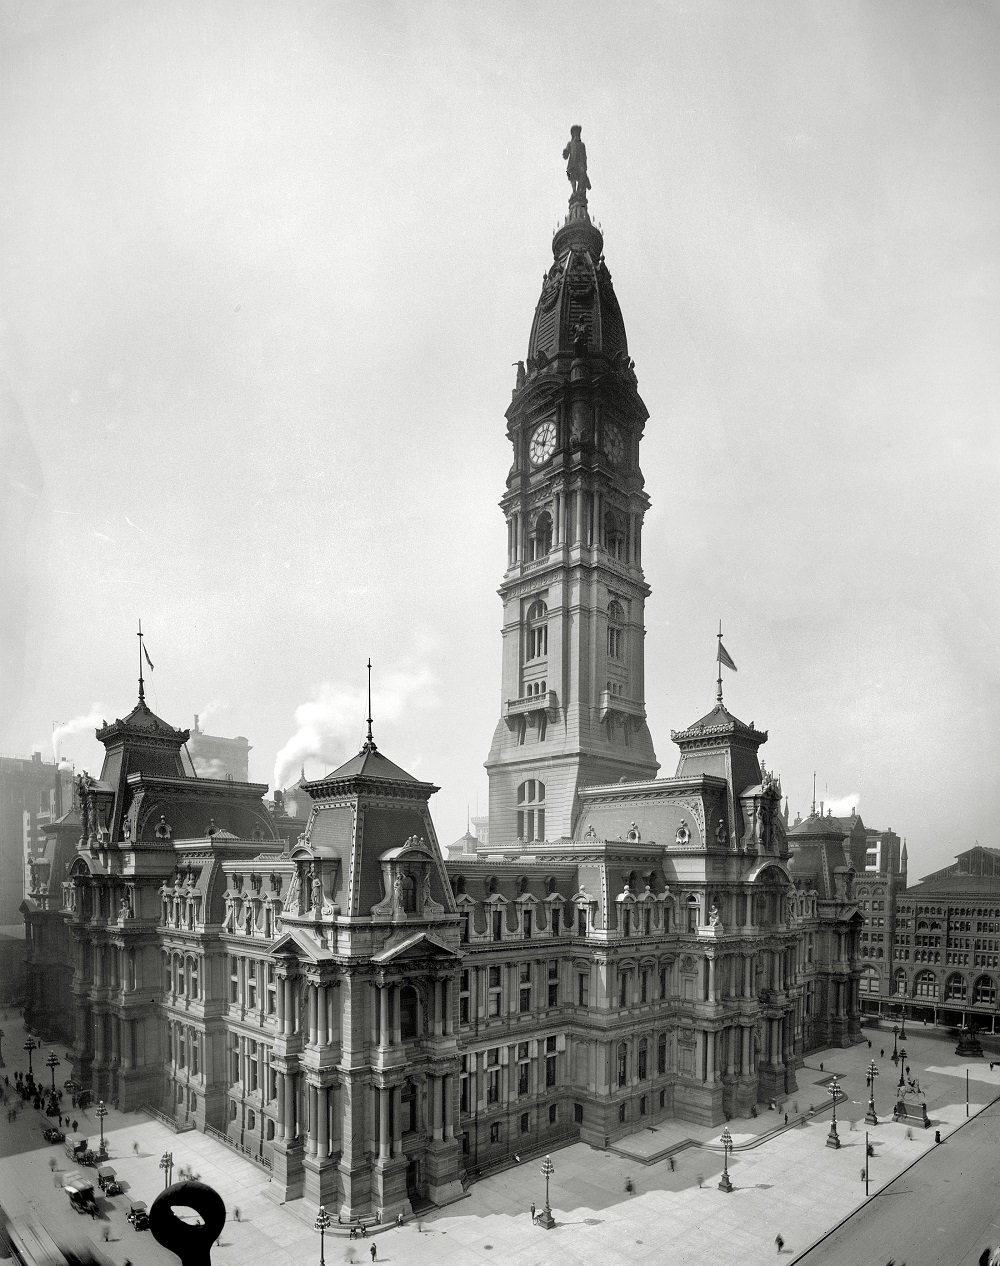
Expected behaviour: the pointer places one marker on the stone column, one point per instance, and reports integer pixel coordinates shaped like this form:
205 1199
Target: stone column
437 1002
311 996
280 1003
711 978
383 1123
731 1038
744 1050
397 1038
383 1018
323 1121
397 1120
747 974
435 1087
447 1083
322 1037
290 1106
709 1039
311 1119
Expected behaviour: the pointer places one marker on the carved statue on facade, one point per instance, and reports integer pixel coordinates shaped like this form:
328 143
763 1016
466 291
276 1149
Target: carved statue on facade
576 167
683 835
317 893
721 834
427 888
713 916
125 908
163 829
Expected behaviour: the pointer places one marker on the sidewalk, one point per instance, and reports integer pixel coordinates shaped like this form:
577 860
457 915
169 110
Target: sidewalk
785 1180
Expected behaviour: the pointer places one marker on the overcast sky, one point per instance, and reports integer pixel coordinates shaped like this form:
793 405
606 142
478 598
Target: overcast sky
265 268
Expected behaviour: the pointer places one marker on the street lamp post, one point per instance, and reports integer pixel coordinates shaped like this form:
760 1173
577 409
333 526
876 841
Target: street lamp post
727 1146
902 1065
902 1025
867 1154
833 1138
321 1224
102 1112
870 1116
545 1218
52 1063
31 1045
166 1164
895 1034
2 1064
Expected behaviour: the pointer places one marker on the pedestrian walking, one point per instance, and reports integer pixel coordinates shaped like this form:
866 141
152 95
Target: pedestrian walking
76 1126
786 1118
862 1173
869 1043
881 1053
821 1066
673 1164
236 1212
364 1231
701 1180
107 1235
52 1163
135 1148
780 1242
909 1136
532 1211
399 1218
374 1252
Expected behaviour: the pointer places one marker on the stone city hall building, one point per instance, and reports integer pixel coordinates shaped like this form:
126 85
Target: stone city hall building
373 1022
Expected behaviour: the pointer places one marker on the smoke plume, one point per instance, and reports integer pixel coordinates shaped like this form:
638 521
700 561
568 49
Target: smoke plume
331 727
93 720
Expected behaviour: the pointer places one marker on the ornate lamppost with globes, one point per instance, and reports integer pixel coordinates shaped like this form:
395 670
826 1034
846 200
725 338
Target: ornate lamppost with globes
321 1224
31 1045
895 1034
902 1024
545 1218
727 1146
166 1164
870 1116
52 1063
833 1138
102 1112
902 1065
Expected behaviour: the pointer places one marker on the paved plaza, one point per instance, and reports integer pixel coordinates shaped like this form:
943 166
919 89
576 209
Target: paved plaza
786 1180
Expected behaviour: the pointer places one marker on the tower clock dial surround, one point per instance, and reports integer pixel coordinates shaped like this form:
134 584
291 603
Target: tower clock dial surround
542 443
613 444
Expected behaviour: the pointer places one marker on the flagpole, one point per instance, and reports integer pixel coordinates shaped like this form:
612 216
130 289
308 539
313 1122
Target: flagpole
718 696
142 693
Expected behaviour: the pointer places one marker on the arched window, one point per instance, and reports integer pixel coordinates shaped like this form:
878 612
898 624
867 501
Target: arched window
537 639
694 911
925 985
531 810
541 536
616 633
899 981
615 538
955 988
622 1064
408 1107
643 1060
984 992
869 982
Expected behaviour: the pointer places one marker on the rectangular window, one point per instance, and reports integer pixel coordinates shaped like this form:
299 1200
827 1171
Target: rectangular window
578 1113
464 1000
493 1086
252 984
524 987
495 1132
644 986
234 980
495 992
623 989
523 1078
272 991
524 1123
463 1094
553 1113
581 921
550 1072
553 993
663 982
526 923
583 989
497 923
554 919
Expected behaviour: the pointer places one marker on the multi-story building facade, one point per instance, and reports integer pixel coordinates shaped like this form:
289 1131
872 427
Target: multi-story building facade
31 793
216 757
369 1020
946 944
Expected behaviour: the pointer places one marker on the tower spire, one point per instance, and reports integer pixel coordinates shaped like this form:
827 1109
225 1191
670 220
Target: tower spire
813 811
369 743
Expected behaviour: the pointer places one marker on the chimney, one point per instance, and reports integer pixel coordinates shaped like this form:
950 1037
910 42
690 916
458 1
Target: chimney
58 806
196 723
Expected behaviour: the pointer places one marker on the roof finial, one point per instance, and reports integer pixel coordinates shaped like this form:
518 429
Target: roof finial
369 743
576 168
142 651
814 794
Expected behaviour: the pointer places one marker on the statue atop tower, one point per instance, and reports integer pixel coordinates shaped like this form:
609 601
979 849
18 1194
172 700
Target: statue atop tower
576 166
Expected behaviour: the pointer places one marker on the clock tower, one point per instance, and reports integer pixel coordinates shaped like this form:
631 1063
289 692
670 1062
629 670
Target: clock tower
572 683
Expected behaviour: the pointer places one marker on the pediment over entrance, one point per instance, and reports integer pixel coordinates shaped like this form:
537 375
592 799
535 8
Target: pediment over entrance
419 945
299 943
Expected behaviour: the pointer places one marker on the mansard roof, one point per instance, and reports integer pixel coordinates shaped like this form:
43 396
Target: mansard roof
141 722
718 723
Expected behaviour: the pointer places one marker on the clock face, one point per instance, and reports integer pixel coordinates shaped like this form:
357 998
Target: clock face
614 445
543 443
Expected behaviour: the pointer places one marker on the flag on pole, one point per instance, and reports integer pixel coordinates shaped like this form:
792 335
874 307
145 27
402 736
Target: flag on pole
724 657
150 662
